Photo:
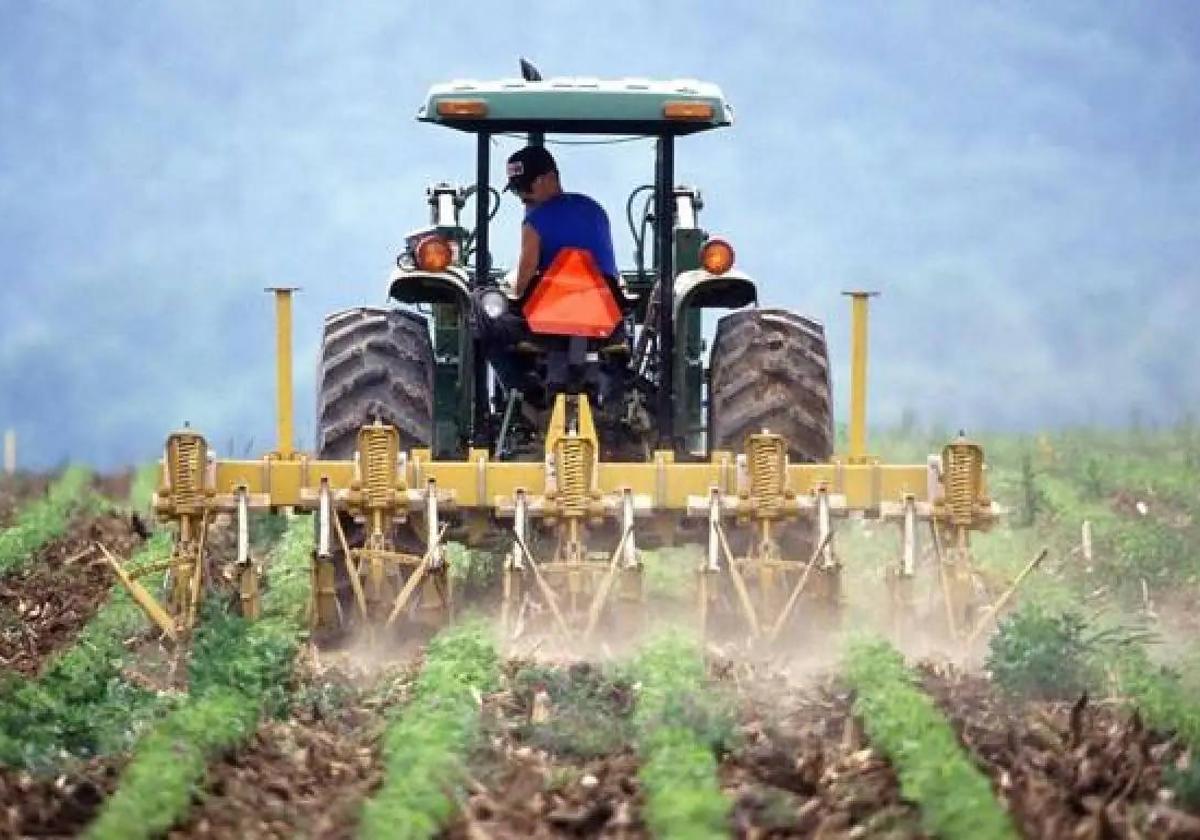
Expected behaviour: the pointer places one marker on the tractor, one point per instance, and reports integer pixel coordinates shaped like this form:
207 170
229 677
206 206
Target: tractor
603 448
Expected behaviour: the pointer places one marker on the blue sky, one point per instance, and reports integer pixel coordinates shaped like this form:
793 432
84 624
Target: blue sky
1020 180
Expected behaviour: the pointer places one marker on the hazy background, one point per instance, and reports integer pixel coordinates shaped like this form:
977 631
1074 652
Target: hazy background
1021 180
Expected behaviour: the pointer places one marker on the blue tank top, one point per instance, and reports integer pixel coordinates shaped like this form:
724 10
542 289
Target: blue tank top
572 220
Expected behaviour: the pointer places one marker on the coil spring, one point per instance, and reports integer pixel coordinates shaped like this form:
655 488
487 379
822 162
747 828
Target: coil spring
573 475
766 472
962 471
380 468
188 480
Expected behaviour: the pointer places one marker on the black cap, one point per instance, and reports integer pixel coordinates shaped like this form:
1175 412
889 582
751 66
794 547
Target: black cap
527 164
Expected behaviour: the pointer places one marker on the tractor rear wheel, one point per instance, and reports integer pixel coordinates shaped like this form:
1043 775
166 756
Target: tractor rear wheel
770 370
375 363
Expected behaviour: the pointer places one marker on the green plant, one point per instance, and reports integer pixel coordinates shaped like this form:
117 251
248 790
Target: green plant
1031 495
238 670
1185 783
45 519
955 798
82 704
425 743
473 568
679 723
591 709
1036 653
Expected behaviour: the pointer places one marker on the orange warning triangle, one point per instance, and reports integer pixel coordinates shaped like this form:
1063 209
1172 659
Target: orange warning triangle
573 298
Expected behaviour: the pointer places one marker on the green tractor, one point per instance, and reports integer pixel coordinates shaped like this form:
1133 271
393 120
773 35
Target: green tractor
423 368
617 432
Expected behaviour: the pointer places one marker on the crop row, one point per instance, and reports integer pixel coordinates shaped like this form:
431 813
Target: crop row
45 519
955 798
678 723
238 671
425 743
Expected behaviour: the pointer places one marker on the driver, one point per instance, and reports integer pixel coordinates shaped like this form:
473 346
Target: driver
554 219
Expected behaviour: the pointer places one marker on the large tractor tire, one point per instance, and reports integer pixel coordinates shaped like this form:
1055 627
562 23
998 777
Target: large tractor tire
375 363
770 370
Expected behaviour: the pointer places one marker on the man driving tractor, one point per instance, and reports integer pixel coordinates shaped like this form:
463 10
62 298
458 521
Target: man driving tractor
554 221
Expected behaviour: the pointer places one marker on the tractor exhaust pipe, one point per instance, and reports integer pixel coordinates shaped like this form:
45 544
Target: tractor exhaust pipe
283 371
858 375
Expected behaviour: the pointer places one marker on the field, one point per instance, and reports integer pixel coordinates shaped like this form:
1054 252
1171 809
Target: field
1078 717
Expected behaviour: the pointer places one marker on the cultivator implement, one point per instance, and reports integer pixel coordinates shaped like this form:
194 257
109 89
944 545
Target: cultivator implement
574 523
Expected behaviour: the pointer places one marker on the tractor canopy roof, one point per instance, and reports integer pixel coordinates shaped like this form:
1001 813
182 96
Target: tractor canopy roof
578 105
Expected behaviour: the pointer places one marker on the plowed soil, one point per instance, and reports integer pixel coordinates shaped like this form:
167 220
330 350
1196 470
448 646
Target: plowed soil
1082 770
545 769
43 606
305 776
803 768
54 806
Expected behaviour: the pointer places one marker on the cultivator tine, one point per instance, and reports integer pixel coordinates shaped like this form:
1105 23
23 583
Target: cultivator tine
545 588
798 590
144 599
415 577
739 584
992 613
513 562
360 597
602 591
247 577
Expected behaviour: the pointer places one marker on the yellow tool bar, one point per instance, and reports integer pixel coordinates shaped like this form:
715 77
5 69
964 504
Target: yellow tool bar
482 483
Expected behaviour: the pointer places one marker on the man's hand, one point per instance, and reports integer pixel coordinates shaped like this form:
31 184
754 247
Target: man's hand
531 246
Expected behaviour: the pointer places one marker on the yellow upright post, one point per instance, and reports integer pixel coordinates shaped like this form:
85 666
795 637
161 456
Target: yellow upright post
858 375
283 370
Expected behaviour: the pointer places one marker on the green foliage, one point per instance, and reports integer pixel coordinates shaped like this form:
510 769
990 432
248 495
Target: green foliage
1164 701
1186 783
955 798
1031 495
141 489
425 743
45 519
591 714
670 572
238 669
81 704
679 723
1040 654
1147 549
473 568
157 787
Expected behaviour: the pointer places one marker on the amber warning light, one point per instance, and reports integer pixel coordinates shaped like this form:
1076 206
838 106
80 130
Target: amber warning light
716 256
433 254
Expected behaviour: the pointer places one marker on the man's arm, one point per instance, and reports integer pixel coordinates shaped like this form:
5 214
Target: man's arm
531 246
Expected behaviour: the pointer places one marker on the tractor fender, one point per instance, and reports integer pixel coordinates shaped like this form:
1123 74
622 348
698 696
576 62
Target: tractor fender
417 286
703 290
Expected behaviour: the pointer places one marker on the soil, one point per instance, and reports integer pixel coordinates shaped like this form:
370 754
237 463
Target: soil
18 490
803 768
1081 770
55 806
304 776
541 772
44 605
